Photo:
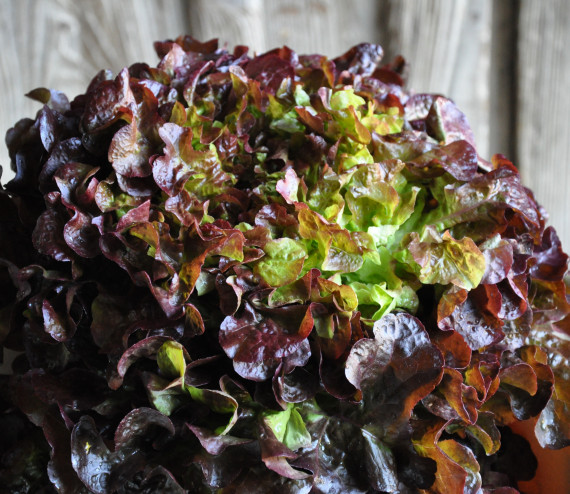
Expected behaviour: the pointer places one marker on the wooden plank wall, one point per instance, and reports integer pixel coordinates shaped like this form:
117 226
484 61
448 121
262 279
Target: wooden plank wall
504 62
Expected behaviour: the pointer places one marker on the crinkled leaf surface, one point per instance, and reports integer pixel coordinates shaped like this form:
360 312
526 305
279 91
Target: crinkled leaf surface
272 273
258 344
395 370
446 260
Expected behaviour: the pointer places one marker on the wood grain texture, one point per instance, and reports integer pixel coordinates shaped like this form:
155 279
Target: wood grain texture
321 26
543 107
117 33
503 78
447 46
235 22
306 26
38 40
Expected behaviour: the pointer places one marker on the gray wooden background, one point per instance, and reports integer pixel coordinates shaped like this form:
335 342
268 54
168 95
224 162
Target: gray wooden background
505 62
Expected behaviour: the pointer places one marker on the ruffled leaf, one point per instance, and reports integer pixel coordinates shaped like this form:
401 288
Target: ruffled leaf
257 343
395 370
444 260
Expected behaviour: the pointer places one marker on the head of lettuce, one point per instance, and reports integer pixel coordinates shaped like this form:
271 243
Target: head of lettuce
274 273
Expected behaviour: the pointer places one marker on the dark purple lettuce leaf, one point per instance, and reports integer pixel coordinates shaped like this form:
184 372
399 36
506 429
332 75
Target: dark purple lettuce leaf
477 327
55 431
117 314
271 69
81 235
445 122
418 106
461 398
224 470
550 263
498 260
159 479
24 451
146 348
258 343
48 236
90 457
76 389
73 181
334 380
60 468
394 371
139 425
27 156
380 464
526 385
481 199
405 146
298 386
48 123
59 324
107 102
362 59
133 145
328 457
139 433
553 426
456 352
215 444
276 455
458 158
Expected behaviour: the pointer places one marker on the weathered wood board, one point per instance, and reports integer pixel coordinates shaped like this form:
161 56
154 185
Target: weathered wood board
543 107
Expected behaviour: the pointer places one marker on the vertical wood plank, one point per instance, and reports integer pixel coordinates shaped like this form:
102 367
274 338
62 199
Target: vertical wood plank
320 26
39 42
307 26
116 33
447 45
427 34
235 22
469 85
543 107
503 80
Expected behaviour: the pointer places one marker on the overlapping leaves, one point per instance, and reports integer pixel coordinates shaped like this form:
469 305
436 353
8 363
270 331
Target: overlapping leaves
271 273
